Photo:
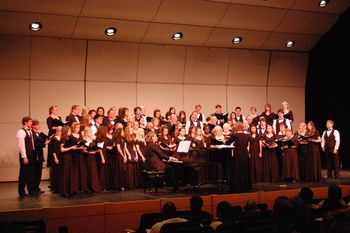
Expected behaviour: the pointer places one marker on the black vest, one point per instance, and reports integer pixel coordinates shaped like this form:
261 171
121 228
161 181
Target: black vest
39 143
278 125
329 141
200 117
28 141
240 119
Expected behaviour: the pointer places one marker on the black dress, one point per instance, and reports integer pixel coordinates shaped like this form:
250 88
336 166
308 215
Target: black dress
93 178
269 160
55 169
121 166
255 161
314 163
217 166
240 176
111 162
269 118
132 176
303 158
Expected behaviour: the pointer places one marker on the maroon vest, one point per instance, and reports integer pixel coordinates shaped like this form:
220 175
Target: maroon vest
329 141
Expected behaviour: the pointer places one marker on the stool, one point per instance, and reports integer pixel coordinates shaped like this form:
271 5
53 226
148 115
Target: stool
153 178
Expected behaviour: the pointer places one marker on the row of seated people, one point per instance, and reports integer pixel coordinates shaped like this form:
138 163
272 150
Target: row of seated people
299 214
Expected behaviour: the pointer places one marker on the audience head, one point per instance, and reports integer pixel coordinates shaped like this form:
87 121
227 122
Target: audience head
224 212
306 194
334 192
251 207
169 210
196 202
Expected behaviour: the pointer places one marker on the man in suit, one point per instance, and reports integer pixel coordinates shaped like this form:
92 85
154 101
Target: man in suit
39 143
262 126
193 121
222 118
111 118
74 115
200 115
239 117
27 158
330 145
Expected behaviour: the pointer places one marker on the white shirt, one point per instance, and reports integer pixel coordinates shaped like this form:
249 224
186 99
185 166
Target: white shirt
336 135
239 117
203 117
278 121
196 123
21 134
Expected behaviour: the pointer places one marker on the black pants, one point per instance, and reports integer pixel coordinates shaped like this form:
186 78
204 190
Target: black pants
38 173
27 175
333 163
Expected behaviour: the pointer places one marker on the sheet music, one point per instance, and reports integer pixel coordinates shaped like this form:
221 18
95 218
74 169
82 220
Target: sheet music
100 145
184 146
225 146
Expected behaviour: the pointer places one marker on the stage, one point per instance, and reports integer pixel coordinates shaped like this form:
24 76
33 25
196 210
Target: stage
9 197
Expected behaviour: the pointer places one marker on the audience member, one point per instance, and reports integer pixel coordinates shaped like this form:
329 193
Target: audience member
170 215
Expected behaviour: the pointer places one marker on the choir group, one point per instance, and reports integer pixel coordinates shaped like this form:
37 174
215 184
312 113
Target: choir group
91 151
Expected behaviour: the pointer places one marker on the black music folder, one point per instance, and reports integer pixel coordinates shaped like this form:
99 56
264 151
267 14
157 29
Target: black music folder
57 122
285 142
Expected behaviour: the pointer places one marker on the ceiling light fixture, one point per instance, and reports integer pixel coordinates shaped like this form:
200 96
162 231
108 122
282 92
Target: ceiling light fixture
290 43
324 3
177 36
237 40
35 26
110 31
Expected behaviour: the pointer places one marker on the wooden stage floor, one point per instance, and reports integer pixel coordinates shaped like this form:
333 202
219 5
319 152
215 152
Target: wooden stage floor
9 197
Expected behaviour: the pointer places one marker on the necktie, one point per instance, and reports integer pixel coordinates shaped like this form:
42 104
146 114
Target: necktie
31 138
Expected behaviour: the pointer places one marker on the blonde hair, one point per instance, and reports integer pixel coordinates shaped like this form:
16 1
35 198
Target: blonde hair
88 133
140 134
217 129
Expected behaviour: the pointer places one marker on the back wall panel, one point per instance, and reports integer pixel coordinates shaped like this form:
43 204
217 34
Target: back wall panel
36 72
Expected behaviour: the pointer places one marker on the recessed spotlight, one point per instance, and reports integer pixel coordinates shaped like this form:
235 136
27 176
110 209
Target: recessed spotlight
35 26
290 43
110 31
177 36
324 3
237 40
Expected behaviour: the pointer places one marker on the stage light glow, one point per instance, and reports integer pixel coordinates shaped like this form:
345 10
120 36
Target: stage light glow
177 36
237 40
35 26
324 3
110 31
290 43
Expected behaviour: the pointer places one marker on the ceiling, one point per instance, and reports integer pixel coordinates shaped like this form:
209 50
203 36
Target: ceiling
263 24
